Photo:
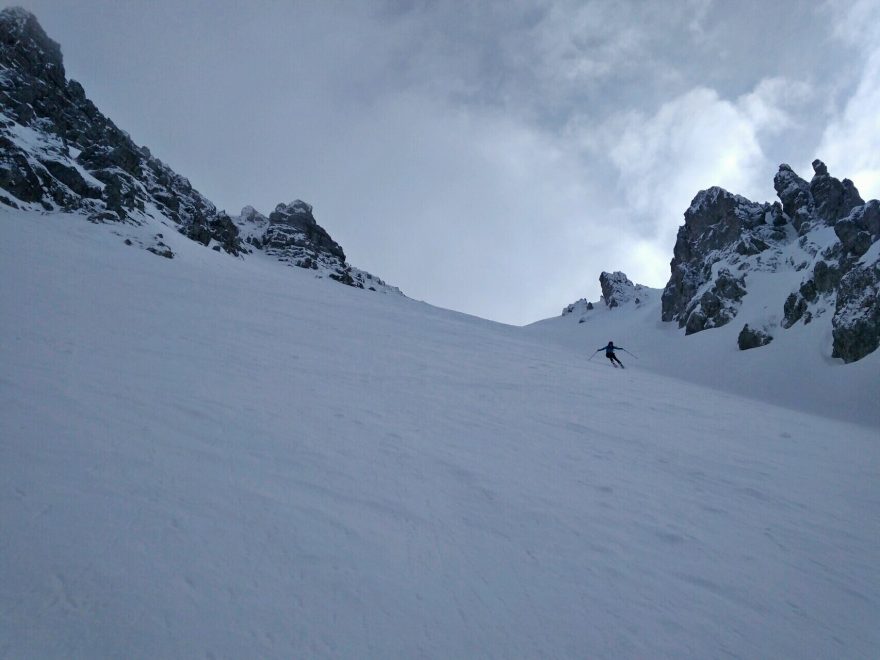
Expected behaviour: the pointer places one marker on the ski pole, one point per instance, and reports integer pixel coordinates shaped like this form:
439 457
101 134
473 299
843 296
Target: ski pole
627 352
593 355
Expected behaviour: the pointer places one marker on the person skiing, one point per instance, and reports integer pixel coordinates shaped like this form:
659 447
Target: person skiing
609 353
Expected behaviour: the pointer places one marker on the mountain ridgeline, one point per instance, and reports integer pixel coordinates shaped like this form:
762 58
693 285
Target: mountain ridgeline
820 235
822 229
58 153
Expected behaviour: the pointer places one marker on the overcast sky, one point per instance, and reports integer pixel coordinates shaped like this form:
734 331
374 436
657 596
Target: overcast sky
489 157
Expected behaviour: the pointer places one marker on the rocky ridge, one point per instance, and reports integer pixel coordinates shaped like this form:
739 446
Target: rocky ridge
821 234
291 235
58 152
618 291
823 229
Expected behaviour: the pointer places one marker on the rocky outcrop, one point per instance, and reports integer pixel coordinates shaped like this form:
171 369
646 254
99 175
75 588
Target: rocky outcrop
293 229
578 307
618 290
58 152
717 305
796 198
718 227
291 235
752 338
727 238
618 293
856 321
833 199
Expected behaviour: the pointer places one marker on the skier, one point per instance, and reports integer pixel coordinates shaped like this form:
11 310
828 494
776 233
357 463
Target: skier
609 353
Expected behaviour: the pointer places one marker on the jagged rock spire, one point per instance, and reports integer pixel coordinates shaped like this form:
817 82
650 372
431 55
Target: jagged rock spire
726 237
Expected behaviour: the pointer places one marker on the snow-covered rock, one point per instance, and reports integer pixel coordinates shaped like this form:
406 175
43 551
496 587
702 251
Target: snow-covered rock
752 338
724 229
59 153
617 289
822 228
618 293
291 235
832 199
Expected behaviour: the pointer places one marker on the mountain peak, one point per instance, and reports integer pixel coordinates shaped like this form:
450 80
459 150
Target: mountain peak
25 45
296 207
59 153
618 289
726 239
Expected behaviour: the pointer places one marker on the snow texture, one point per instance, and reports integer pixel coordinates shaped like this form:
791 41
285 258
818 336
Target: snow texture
211 457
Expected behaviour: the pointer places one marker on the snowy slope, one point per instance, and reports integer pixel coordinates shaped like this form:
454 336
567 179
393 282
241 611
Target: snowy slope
794 370
212 457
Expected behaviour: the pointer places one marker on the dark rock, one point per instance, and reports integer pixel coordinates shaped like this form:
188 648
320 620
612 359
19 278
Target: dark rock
750 246
344 277
616 288
718 305
696 321
73 135
730 287
796 198
716 222
777 215
861 244
809 291
18 177
869 217
168 254
793 310
724 234
71 178
832 199
851 198
856 321
847 231
294 225
751 338
825 277
293 236
25 46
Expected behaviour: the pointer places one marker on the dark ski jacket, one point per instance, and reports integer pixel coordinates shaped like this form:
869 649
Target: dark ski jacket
610 348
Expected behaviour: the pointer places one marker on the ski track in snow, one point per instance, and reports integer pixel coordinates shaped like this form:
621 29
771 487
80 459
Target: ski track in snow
208 457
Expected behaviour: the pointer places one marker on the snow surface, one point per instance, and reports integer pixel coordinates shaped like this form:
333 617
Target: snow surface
214 457
794 370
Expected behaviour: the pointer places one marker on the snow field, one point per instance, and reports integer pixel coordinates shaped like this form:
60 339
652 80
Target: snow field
222 458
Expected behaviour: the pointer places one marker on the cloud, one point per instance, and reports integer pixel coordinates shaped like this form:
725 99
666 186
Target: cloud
769 106
850 144
691 142
472 210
